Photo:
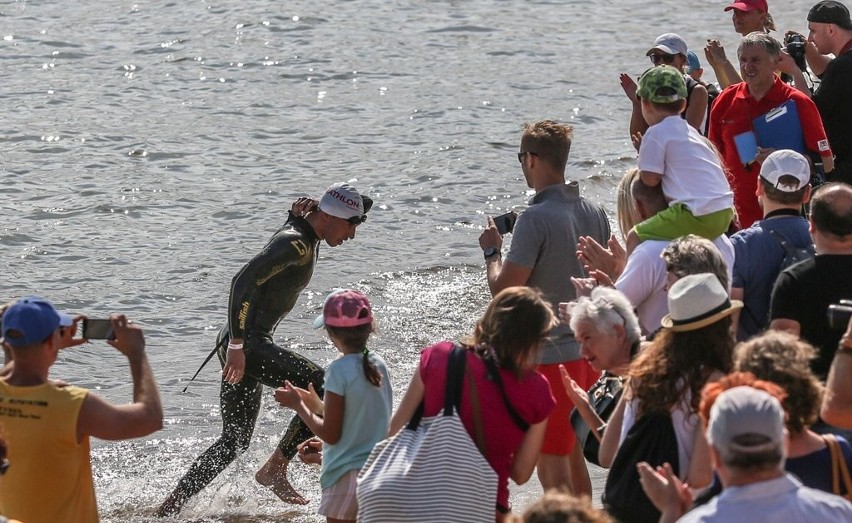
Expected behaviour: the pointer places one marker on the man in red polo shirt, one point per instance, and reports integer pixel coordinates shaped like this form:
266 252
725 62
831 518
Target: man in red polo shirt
737 106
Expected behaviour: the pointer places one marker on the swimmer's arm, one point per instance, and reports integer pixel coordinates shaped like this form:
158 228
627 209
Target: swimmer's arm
277 256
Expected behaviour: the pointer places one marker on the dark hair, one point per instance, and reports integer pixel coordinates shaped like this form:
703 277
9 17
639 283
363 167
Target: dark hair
676 107
693 254
756 460
549 140
784 197
831 209
784 359
514 323
557 506
752 461
677 362
15 334
356 337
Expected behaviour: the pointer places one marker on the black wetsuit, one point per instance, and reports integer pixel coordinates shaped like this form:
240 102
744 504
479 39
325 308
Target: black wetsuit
262 293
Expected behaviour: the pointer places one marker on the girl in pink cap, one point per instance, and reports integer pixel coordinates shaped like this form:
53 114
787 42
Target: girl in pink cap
354 413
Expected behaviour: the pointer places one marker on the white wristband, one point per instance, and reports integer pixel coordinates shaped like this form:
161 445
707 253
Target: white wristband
235 346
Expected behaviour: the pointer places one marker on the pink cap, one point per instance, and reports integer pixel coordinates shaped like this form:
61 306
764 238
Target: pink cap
346 308
749 5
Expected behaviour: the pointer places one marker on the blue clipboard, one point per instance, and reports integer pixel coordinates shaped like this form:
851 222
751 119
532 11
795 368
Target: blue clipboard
746 147
780 128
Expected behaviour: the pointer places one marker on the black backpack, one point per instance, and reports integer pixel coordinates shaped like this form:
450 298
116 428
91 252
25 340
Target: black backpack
652 438
792 254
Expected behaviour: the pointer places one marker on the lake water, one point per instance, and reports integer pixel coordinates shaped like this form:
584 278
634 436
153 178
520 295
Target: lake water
149 149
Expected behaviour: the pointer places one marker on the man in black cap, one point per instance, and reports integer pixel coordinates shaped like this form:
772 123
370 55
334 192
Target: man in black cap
831 31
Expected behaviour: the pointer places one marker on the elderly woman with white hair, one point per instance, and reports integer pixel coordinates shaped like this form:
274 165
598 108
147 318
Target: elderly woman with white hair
609 335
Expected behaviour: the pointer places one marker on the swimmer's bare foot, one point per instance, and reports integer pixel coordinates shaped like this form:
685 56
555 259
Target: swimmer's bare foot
273 474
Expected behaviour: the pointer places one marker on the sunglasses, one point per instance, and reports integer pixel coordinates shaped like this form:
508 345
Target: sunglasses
665 58
357 220
524 153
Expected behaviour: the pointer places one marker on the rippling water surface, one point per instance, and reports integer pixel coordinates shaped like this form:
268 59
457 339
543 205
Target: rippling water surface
149 149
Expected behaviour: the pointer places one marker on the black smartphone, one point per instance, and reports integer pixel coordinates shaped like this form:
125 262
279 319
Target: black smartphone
97 329
505 222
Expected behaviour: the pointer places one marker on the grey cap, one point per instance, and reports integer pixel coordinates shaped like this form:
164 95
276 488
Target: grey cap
746 411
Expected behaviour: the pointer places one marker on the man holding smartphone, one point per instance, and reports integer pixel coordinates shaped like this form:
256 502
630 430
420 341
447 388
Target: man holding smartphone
48 424
262 293
542 255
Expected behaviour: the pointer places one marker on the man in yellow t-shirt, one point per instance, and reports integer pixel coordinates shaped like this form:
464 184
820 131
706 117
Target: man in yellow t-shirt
48 424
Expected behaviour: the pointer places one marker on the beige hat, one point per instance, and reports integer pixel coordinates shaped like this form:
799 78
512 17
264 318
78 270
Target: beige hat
697 300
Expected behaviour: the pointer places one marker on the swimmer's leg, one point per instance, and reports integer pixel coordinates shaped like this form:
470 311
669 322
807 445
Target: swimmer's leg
240 405
281 365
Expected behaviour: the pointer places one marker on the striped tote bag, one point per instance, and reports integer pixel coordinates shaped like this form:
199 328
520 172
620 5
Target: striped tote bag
431 471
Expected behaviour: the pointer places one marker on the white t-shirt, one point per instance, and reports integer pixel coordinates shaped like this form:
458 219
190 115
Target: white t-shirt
692 172
643 280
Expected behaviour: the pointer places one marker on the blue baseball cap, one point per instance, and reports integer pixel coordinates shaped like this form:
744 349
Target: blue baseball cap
31 320
692 61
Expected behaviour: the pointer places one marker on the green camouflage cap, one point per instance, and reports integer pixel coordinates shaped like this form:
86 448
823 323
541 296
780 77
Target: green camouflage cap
662 84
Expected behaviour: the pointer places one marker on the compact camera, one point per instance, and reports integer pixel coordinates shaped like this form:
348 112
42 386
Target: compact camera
839 314
795 45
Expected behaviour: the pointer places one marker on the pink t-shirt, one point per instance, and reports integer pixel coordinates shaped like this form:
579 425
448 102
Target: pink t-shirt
530 396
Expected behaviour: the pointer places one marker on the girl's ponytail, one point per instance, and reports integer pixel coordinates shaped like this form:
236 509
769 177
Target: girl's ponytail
370 370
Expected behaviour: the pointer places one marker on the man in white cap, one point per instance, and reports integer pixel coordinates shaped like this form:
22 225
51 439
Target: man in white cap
262 293
48 424
762 250
748 450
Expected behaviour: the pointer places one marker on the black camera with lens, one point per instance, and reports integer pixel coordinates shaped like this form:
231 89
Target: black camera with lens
839 314
795 43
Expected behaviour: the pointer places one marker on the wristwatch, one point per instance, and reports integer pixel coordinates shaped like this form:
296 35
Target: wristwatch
490 251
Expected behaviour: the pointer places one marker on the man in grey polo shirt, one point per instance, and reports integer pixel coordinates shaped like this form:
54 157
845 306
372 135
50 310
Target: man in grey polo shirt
542 255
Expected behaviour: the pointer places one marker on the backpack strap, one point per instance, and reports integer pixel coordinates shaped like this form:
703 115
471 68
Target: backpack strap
839 470
452 393
782 240
455 379
690 84
785 243
494 375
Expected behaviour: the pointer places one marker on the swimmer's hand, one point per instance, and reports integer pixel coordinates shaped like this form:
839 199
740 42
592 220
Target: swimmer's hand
235 362
303 206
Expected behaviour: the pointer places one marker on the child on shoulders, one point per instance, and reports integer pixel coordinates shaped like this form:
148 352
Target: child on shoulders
355 413
678 156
